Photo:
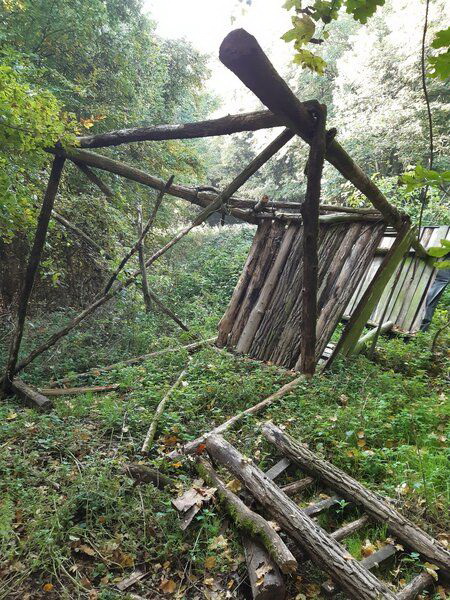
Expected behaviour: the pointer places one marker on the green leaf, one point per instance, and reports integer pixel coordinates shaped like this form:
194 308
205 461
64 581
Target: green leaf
441 39
437 251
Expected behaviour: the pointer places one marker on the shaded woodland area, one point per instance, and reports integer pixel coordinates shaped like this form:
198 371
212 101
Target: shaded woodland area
169 277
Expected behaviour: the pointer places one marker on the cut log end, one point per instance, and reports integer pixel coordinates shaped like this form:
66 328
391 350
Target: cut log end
31 397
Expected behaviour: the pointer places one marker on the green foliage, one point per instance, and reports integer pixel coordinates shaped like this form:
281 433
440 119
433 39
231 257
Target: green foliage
440 64
421 177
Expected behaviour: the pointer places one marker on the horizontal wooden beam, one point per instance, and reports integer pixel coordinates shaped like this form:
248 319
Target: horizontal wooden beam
252 121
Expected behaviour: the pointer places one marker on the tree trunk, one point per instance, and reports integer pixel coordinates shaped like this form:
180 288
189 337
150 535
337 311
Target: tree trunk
33 264
350 489
310 213
357 582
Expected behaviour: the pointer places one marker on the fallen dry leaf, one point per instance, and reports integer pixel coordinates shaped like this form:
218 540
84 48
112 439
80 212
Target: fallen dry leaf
367 548
47 587
234 486
168 586
85 549
210 562
261 572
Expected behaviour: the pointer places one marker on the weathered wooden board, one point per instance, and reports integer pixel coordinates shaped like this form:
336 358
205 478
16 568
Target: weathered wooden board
264 316
407 303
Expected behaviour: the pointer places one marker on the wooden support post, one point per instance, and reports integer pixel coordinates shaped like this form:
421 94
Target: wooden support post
241 53
237 182
371 296
349 488
95 179
145 289
252 523
357 582
32 267
310 213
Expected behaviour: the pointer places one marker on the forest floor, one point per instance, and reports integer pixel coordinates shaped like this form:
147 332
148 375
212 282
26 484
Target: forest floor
73 524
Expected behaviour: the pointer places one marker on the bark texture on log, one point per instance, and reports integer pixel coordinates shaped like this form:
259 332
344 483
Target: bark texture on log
375 506
267 302
79 390
310 214
416 587
262 119
272 587
33 264
242 54
144 474
252 523
359 583
30 397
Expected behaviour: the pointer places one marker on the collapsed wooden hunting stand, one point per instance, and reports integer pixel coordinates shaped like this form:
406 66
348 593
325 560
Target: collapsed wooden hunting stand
307 259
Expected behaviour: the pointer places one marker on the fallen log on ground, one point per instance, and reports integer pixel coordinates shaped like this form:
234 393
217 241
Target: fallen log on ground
265 578
416 587
190 348
248 520
29 396
159 411
376 507
78 390
355 580
191 447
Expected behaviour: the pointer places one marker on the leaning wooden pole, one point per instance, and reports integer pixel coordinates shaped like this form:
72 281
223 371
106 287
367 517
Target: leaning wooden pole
310 214
80 233
237 182
355 580
95 179
32 267
145 289
241 53
352 490
141 237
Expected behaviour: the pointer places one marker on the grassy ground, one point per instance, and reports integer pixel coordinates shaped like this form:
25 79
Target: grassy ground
73 524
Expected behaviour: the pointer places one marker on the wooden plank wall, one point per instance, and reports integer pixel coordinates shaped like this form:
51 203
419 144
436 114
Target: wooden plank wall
407 304
263 319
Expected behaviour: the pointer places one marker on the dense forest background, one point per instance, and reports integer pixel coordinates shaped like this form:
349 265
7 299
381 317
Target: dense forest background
63 76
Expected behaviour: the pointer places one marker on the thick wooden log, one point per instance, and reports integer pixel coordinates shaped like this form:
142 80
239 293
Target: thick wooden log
370 562
80 233
95 179
159 411
370 335
141 237
359 583
350 528
34 260
190 348
252 523
191 447
141 256
30 397
297 486
242 54
349 488
416 587
222 126
310 214
272 585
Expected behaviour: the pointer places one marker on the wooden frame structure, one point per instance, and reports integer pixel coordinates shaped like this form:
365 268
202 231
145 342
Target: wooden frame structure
241 53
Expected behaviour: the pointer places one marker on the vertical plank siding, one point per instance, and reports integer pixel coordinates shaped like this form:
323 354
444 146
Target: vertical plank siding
263 319
407 303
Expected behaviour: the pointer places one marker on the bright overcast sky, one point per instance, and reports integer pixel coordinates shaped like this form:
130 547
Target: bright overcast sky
206 22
